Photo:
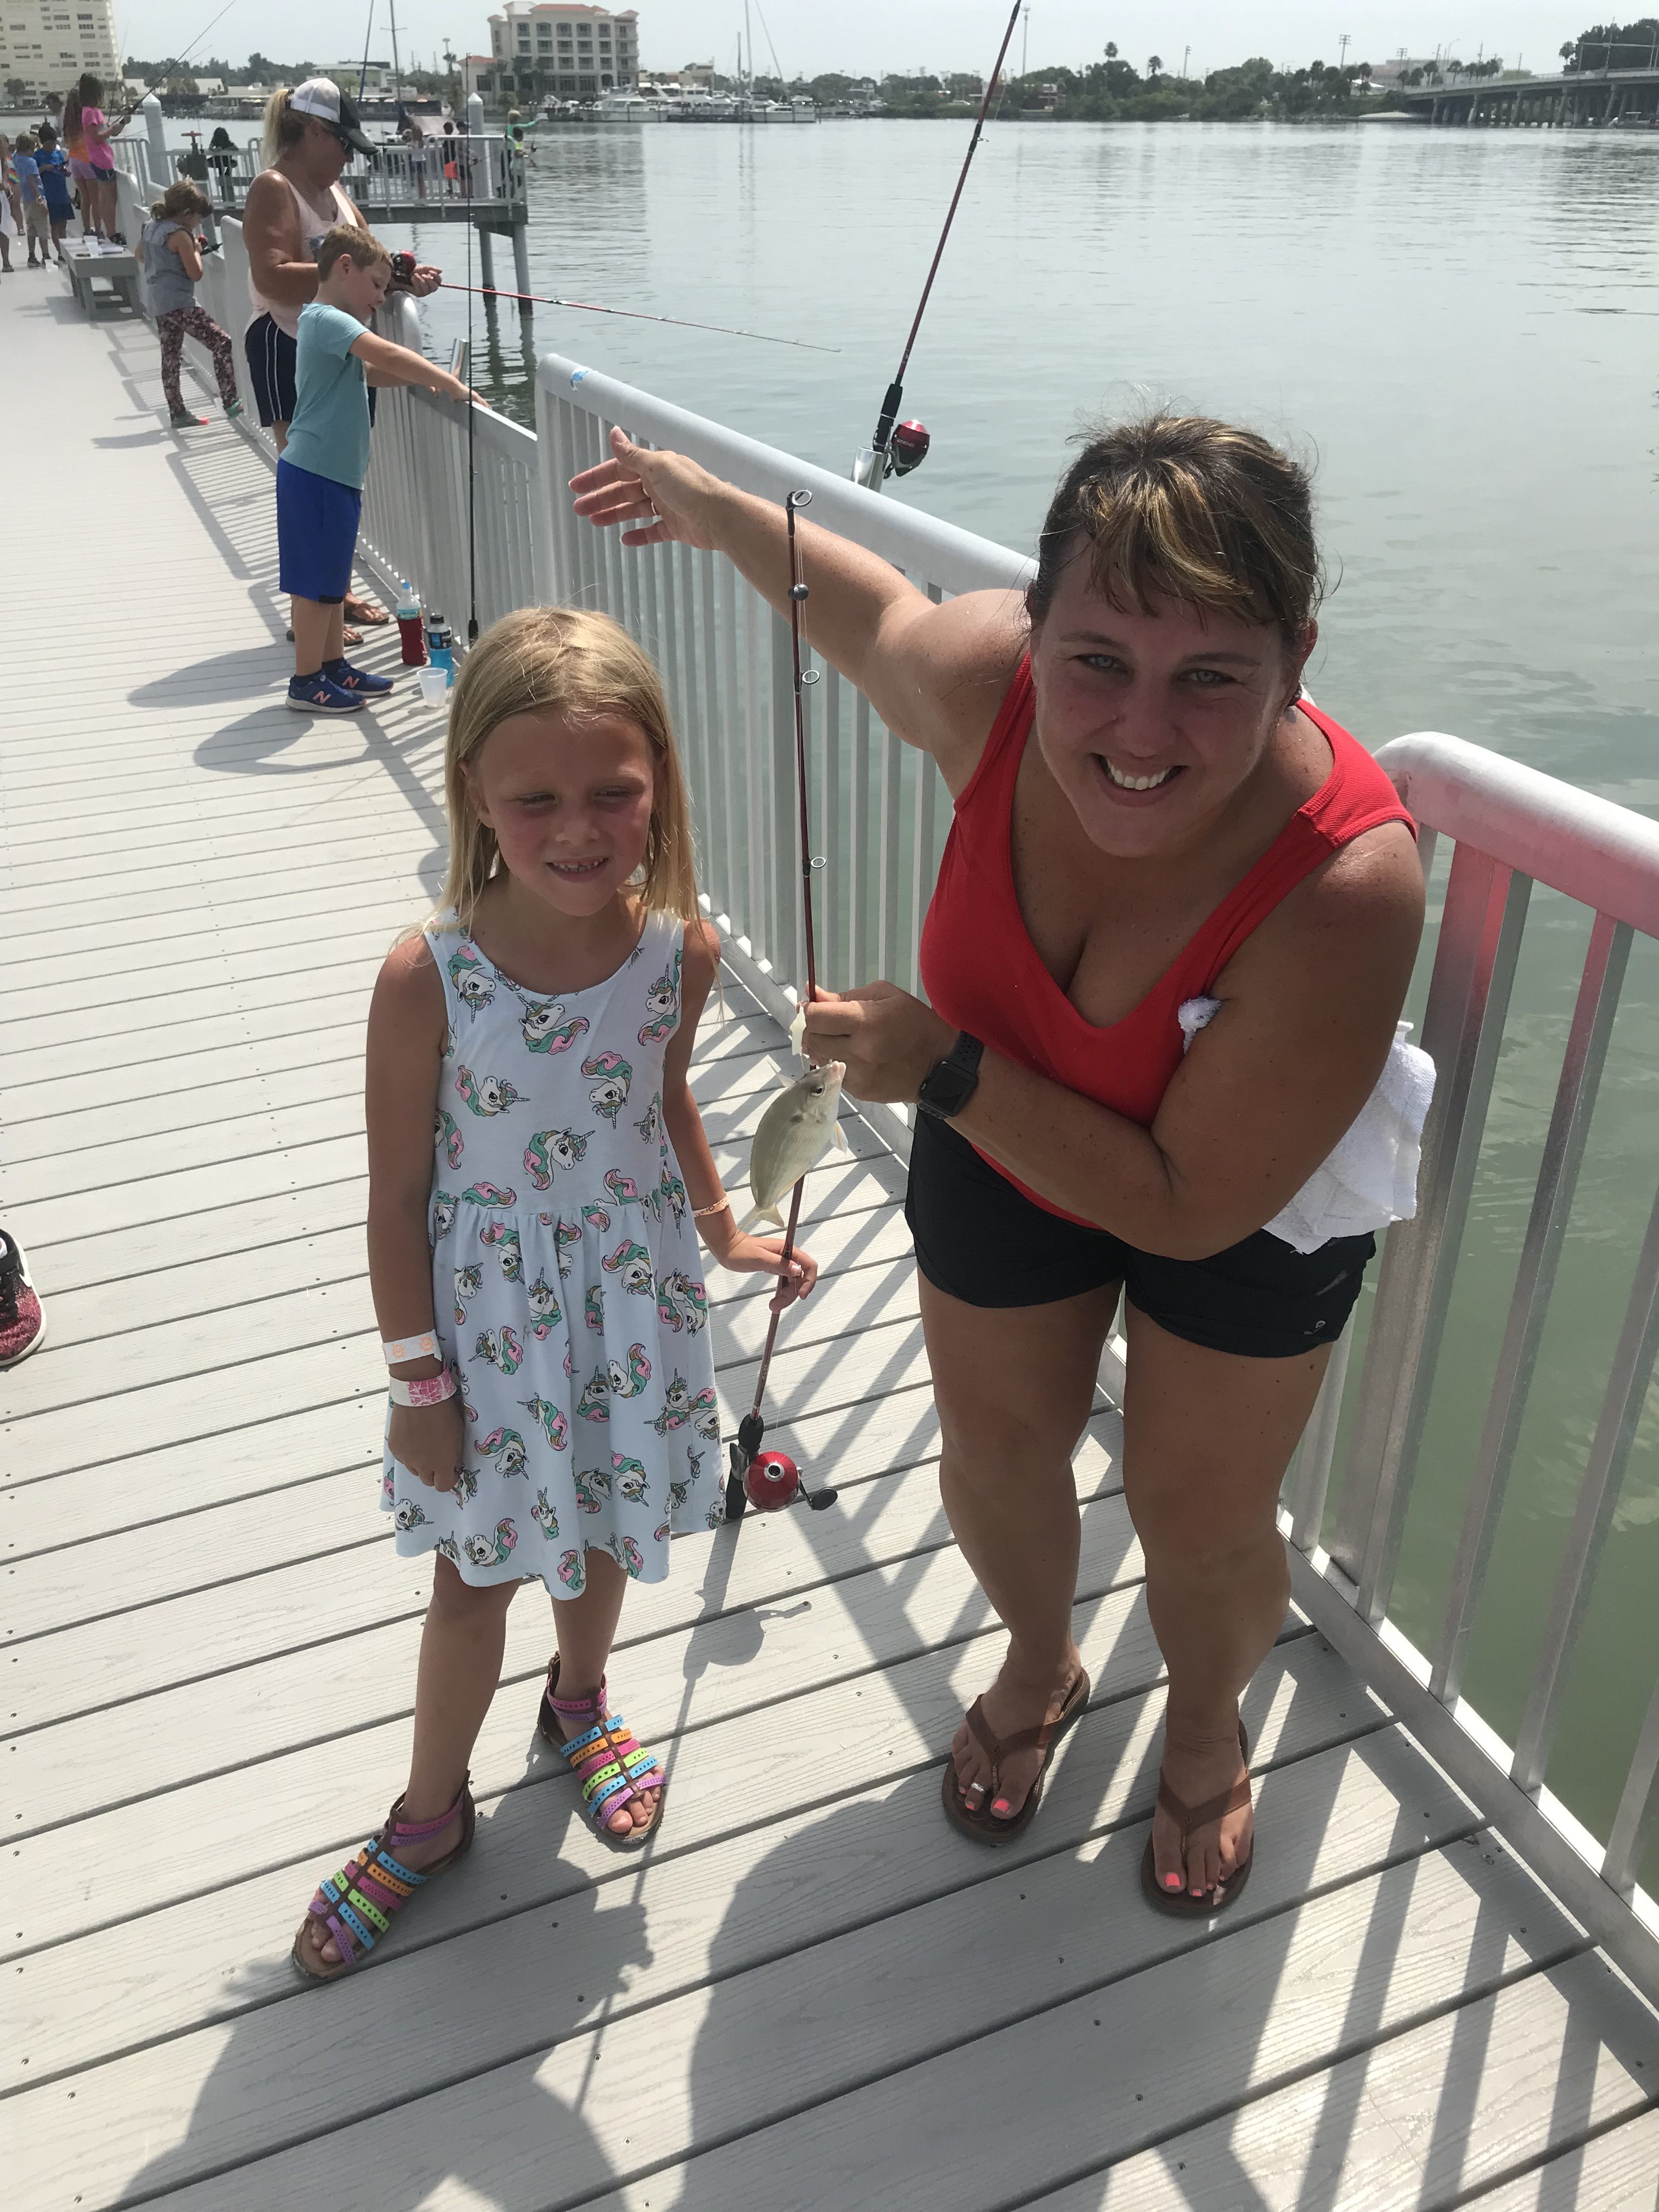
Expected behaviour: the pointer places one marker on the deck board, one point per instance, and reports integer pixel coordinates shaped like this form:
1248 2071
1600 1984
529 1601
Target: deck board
810 1991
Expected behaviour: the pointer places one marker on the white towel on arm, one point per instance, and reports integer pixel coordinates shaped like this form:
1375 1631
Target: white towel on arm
1370 1179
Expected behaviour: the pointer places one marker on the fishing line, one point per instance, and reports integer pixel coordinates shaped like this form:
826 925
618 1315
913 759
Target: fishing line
368 33
200 35
637 314
891 403
472 410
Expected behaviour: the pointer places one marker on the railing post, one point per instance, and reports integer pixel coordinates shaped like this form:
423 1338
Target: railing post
1480 938
1598 1494
1552 1206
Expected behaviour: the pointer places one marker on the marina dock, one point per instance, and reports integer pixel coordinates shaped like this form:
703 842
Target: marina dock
809 1991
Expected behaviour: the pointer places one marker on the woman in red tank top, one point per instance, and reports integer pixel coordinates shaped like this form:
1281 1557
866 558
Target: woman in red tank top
1155 836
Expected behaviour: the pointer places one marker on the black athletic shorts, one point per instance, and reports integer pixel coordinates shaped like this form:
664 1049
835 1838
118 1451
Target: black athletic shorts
980 1240
270 356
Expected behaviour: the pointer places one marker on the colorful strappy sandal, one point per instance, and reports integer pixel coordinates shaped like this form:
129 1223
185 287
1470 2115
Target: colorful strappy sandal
355 1906
979 1822
1180 1904
605 1758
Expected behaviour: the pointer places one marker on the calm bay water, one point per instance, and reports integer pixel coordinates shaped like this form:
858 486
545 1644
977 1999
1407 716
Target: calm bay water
1461 329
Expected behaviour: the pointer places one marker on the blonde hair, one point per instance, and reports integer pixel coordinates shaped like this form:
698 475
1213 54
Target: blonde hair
564 660
180 201
347 242
1190 508
281 128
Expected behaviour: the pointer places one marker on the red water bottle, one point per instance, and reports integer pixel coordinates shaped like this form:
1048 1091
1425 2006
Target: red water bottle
409 629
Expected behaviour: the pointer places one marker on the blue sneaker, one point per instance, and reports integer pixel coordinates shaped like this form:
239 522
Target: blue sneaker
317 695
348 678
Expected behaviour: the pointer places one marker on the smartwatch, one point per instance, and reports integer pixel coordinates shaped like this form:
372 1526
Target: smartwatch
951 1083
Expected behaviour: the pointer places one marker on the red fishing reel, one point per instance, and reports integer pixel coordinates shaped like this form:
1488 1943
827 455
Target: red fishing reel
403 270
908 448
767 1480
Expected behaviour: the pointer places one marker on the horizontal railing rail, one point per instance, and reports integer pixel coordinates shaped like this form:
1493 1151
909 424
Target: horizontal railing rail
395 176
879 816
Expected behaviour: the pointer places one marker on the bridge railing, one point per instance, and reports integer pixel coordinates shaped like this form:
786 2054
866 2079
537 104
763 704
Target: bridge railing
879 815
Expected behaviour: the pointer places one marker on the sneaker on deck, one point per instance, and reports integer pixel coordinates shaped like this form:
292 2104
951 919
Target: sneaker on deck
348 678
184 420
233 409
319 694
22 1325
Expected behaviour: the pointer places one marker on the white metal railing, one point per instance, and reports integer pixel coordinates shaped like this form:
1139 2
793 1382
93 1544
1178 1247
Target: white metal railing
878 809
879 815
393 178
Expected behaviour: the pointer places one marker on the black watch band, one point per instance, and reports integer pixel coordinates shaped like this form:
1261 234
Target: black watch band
950 1082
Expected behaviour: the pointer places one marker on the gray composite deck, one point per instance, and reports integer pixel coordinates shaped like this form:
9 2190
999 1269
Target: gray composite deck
811 1992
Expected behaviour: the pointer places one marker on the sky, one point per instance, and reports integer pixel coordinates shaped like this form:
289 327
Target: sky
872 37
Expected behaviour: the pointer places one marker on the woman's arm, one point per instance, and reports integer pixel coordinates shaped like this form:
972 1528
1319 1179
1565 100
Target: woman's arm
934 674
386 364
270 231
720 1233
189 252
406 1026
1308 1008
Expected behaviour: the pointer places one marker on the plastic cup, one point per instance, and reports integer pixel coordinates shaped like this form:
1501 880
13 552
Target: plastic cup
434 686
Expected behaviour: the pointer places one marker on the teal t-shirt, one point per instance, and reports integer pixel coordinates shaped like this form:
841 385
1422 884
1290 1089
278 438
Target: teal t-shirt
329 434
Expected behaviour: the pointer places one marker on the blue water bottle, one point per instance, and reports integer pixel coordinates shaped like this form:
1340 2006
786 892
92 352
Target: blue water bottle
441 645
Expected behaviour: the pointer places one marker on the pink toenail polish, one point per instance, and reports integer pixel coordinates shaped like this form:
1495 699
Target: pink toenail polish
1172 1881
998 1804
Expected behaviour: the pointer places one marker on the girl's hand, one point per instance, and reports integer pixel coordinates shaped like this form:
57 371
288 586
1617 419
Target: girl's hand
430 1441
668 496
889 1040
763 1255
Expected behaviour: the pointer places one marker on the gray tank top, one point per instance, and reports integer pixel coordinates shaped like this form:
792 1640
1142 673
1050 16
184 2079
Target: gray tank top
164 272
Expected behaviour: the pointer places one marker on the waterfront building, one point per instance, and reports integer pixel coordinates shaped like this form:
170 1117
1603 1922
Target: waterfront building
46 44
549 48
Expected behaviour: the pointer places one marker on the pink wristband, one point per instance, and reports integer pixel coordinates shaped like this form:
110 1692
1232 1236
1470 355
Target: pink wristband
427 1390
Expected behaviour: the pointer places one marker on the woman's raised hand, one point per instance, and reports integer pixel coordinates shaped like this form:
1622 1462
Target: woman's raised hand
665 496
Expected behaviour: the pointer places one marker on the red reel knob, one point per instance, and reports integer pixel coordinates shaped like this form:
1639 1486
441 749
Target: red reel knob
771 1481
908 448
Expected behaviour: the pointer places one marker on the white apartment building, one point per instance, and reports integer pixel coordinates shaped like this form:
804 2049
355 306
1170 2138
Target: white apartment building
46 44
550 46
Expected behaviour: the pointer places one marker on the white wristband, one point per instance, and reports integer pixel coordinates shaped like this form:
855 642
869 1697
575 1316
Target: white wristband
425 1391
400 1348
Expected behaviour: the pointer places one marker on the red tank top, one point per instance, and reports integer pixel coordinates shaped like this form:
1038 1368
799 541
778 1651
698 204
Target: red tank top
981 970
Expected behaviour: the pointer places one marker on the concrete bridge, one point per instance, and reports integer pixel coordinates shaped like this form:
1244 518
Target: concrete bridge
1585 100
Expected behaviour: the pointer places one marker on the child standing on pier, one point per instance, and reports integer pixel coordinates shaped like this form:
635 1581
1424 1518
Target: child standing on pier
537 1172
320 476
171 254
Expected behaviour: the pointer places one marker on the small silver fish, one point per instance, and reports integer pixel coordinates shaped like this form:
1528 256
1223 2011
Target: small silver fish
795 1131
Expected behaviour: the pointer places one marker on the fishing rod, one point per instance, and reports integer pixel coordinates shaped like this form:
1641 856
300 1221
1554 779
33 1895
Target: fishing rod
895 450
637 314
769 1480
471 411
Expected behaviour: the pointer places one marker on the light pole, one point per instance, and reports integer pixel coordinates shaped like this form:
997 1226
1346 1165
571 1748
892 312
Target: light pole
1185 53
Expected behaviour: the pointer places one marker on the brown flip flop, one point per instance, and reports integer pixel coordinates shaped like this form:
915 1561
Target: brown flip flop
1180 1904
983 1825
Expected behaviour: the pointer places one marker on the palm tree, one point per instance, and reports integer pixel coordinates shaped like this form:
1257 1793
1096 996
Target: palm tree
1154 64
1111 51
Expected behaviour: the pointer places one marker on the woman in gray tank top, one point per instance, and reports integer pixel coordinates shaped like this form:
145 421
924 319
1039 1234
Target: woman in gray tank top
171 257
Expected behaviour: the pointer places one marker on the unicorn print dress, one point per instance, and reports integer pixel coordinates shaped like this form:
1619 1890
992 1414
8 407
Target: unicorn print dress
567 1279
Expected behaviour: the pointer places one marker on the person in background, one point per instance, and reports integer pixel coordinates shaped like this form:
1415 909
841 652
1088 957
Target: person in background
319 476
311 132
222 159
11 206
172 256
54 187
36 226
53 119
92 167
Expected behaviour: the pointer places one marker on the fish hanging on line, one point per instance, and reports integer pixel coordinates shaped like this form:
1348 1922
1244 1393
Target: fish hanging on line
795 1131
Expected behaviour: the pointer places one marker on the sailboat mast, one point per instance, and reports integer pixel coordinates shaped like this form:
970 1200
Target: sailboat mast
396 66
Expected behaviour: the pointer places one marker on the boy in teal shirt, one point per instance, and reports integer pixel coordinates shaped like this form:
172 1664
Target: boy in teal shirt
319 476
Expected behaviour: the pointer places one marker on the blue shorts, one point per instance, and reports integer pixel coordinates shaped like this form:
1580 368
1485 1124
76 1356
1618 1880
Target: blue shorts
316 533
